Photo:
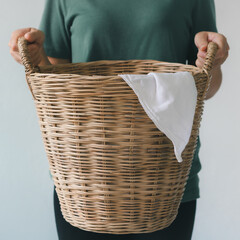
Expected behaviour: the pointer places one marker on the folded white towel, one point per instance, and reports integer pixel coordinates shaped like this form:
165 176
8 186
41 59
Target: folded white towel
169 99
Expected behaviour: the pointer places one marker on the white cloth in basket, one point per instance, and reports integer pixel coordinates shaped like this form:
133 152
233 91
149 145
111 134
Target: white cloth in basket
169 99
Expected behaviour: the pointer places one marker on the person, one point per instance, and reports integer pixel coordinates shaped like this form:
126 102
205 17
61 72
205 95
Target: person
171 31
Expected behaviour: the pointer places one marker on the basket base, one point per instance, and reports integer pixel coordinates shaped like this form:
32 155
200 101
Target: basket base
125 227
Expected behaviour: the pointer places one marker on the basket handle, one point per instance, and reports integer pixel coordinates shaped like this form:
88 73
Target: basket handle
25 57
208 64
26 60
210 57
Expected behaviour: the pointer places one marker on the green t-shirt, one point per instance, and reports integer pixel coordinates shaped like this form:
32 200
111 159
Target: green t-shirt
164 30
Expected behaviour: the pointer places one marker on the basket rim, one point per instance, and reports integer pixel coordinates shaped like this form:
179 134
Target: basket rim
44 70
107 62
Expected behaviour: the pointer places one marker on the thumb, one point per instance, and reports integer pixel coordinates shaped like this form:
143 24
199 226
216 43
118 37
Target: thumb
201 40
34 36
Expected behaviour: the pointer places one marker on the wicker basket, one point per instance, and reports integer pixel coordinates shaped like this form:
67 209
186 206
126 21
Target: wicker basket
113 170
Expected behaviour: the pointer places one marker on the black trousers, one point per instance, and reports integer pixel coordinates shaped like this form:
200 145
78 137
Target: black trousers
180 229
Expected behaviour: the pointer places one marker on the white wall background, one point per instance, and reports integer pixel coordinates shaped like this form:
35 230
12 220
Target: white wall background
218 213
26 203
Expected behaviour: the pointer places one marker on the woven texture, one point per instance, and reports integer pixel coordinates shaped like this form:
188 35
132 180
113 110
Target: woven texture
114 171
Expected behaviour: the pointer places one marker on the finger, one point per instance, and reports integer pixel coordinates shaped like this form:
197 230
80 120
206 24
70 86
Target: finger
200 62
16 56
221 41
218 38
14 38
202 54
201 40
35 36
222 55
201 59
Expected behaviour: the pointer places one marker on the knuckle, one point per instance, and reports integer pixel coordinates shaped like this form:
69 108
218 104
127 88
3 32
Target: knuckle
198 63
13 34
12 52
220 35
223 38
14 47
16 33
19 61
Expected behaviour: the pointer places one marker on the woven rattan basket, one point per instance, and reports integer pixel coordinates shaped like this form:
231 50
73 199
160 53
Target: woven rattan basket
113 170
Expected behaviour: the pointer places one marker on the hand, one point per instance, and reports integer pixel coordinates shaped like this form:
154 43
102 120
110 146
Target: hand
36 38
202 39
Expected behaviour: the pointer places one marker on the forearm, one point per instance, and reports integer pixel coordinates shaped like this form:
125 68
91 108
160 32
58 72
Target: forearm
215 82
